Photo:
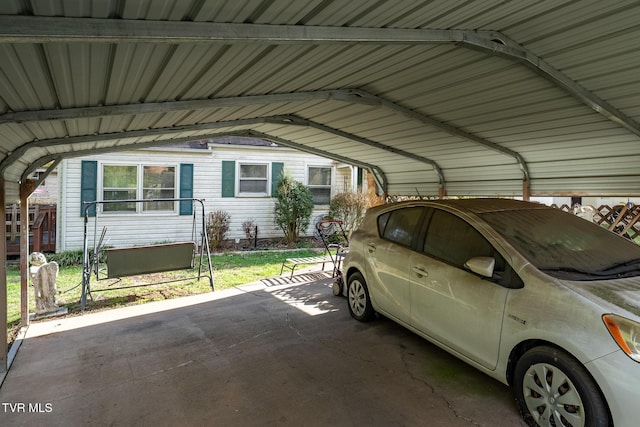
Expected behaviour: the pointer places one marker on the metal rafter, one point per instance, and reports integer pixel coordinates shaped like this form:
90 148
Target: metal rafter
376 171
378 174
371 99
45 29
41 161
345 95
294 120
42 143
503 46
286 120
280 120
39 29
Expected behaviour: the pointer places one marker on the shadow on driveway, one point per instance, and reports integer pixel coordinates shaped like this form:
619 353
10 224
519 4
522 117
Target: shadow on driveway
270 353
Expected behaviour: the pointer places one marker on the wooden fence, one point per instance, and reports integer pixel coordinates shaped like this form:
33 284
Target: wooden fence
42 229
621 219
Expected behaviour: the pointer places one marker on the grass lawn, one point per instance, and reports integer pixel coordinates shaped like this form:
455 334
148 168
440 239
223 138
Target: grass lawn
229 270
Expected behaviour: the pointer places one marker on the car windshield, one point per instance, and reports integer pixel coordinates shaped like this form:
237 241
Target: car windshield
566 246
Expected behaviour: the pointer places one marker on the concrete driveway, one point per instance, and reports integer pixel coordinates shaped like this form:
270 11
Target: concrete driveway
268 354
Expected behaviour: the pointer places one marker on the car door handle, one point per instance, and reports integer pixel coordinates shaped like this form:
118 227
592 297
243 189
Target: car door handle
420 271
371 248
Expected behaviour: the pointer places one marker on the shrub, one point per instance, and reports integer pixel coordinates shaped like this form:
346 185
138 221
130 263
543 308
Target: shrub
68 258
349 208
294 204
249 228
74 257
217 228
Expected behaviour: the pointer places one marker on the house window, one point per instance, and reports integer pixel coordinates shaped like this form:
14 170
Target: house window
132 182
119 183
159 182
319 182
253 179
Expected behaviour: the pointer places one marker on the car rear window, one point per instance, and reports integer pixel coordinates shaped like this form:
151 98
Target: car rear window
400 225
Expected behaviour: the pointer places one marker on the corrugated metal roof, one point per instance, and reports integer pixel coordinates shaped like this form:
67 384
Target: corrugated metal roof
469 97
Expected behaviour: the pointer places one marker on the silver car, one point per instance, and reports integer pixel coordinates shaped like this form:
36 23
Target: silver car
535 297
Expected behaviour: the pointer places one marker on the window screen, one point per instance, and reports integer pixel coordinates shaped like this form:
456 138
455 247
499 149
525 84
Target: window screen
119 183
319 182
159 182
253 179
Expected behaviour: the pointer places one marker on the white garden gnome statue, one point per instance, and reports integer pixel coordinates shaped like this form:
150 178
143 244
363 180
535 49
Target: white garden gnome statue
43 277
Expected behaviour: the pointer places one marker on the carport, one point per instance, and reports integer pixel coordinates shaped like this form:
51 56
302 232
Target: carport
434 98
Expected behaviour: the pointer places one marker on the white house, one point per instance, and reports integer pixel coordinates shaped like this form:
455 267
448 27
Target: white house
234 175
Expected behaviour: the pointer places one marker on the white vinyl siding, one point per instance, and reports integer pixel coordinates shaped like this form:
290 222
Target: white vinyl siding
124 230
127 229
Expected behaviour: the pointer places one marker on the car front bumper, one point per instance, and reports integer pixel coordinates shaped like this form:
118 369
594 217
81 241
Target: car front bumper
619 379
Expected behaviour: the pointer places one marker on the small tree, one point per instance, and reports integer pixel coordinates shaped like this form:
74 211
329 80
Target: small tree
294 203
217 227
349 208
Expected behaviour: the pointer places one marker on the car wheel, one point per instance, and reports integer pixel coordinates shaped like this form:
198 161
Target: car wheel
358 298
553 389
337 288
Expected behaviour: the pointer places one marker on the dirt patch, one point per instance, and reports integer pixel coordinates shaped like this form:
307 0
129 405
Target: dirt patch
267 244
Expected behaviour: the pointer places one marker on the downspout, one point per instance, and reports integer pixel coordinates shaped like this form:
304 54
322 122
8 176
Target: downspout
354 179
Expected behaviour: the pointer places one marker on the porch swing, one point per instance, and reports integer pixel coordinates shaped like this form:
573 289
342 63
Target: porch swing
115 263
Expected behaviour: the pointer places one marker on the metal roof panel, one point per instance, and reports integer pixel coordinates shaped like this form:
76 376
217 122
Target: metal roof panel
476 108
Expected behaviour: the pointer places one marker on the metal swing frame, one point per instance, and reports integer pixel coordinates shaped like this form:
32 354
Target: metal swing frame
139 260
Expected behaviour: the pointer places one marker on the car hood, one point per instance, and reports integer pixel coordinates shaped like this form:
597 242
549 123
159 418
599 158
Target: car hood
613 295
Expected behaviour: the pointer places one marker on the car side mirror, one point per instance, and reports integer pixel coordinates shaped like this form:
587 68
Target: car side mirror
482 265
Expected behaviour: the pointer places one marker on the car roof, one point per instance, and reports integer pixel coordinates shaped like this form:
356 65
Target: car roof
474 205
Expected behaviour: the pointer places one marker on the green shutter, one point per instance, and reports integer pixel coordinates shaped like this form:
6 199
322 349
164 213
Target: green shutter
276 176
88 185
186 188
228 178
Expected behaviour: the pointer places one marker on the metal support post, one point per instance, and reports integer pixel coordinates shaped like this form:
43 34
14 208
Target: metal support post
4 349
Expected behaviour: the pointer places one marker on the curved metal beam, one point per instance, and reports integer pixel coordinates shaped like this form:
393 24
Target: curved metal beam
43 29
109 149
23 29
378 174
344 95
499 44
376 171
299 121
371 99
20 151
280 120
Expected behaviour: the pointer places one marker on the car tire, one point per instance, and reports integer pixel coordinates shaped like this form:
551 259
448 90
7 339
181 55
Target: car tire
358 299
549 383
336 288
